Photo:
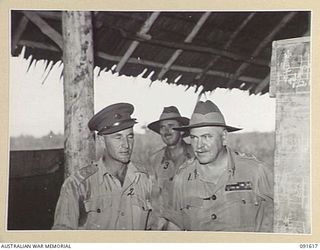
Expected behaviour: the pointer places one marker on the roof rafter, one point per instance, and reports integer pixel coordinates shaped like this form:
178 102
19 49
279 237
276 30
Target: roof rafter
197 48
265 41
177 67
143 31
189 39
262 85
45 28
226 47
18 33
108 57
38 45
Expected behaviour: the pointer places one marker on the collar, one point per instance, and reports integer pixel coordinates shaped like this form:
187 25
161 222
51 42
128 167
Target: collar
187 151
231 166
131 174
229 170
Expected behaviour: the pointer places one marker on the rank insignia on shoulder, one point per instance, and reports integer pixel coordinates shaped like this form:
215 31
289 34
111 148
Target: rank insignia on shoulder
243 185
248 156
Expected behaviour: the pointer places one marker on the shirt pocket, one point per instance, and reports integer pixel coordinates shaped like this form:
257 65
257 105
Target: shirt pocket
239 210
191 212
141 211
99 212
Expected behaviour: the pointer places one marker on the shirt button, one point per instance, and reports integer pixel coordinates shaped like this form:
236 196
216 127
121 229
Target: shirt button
98 210
122 213
213 197
244 201
213 216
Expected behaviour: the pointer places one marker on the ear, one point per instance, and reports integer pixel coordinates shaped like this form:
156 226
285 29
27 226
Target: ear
100 146
224 137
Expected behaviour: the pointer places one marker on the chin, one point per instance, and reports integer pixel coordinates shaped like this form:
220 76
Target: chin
203 160
124 161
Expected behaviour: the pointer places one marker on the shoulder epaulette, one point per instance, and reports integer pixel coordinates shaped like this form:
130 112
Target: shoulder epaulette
84 173
157 151
246 156
187 163
141 168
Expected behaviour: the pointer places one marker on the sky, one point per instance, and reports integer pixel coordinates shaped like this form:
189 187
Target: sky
36 100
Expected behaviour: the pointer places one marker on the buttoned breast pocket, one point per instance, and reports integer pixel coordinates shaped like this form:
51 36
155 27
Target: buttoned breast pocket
98 211
239 210
191 213
141 209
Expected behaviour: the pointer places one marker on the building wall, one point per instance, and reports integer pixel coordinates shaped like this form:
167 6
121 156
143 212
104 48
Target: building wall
290 85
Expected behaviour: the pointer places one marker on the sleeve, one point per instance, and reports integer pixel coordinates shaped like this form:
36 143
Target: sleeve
67 208
264 220
174 214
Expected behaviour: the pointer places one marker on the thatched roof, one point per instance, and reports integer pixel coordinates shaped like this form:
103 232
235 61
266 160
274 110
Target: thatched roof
209 49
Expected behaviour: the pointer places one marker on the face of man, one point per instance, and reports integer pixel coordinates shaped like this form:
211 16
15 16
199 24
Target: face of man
207 143
169 136
119 145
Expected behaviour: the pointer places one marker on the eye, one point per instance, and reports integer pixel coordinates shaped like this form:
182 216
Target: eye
131 136
208 136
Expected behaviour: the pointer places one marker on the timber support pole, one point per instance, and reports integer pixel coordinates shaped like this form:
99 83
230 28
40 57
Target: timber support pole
79 146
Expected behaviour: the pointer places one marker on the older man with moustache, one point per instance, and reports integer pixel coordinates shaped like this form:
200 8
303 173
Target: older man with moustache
112 193
220 190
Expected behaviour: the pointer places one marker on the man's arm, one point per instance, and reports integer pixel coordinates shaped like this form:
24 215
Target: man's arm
67 208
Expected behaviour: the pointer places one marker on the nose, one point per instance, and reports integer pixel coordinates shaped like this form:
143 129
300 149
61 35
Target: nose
125 142
167 130
199 143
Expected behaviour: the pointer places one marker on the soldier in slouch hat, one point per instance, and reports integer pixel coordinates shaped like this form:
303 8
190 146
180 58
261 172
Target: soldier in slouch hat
167 160
219 189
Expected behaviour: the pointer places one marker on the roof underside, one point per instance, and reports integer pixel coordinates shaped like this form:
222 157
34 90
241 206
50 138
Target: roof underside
208 49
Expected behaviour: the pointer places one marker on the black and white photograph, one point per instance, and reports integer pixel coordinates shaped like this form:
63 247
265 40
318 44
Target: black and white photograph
160 121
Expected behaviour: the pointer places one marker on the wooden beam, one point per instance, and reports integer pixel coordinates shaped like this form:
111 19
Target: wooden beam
262 85
226 47
38 45
196 48
79 146
45 28
189 39
143 31
18 32
265 41
108 57
177 67
53 15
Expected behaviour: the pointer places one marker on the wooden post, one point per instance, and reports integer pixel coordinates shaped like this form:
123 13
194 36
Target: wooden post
290 84
78 63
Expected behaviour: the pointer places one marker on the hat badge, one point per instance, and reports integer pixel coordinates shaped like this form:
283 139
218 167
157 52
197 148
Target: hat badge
117 116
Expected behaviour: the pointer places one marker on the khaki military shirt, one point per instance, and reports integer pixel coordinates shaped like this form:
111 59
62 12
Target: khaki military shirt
94 199
241 200
165 170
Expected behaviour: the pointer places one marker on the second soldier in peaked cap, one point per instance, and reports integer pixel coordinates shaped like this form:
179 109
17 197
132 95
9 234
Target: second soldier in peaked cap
112 193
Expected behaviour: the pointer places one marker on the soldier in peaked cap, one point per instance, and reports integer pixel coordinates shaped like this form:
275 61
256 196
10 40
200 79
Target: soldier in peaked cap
220 190
111 193
167 160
